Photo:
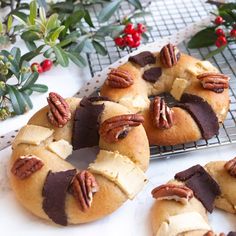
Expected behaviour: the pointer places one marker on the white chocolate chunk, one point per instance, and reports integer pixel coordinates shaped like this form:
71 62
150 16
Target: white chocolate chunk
181 223
201 67
62 148
178 88
207 66
135 103
32 134
121 170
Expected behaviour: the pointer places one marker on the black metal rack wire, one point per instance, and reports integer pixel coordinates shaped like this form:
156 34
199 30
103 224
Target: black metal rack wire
168 17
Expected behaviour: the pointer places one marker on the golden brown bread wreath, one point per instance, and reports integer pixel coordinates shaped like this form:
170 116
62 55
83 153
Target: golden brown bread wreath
131 151
187 75
181 205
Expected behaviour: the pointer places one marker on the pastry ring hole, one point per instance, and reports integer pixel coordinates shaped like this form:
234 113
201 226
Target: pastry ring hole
81 158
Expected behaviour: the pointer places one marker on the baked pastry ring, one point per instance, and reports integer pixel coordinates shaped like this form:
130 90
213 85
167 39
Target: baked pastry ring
200 91
51 188
181 205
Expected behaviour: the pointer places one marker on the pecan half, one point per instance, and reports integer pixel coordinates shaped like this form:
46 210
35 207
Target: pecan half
214 81
117 127
25 166
169 55
59 113
230 166
84 185
119 78
162 116
175 192
211 233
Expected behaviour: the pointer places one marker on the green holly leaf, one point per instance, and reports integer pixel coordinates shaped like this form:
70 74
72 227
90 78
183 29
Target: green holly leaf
21 17
61 56
107 12
100 49
88 19
77 59
15 52
30 35
203 38
27 99
52 22
9 23
1 27
40 88
55 34
216 51
18 102
30 55
136 3
30 81
33 12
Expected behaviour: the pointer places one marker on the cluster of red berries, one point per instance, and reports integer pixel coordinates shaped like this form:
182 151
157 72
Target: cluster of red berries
221 36
44 66
131 36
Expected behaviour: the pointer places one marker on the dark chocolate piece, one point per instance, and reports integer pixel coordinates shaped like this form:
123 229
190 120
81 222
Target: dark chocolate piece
203 185
231 233
152 74
202 113
54 193
99 98
188 173
86 124
143 58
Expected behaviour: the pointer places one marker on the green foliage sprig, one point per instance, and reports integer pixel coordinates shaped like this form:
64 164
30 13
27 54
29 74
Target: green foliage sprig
65 31
62 31
221 32
17 83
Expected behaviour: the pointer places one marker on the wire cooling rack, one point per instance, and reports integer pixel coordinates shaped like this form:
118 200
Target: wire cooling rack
168 17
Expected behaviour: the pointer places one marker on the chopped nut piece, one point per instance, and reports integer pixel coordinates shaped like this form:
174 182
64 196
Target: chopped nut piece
117 127
214 81
25 166
230 166
119 78
169 55
175 192
84 186
59 113
161 114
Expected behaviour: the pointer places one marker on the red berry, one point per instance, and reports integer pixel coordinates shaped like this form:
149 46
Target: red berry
35 67
119 42
129 28
136 44
221 41
46 65
220 32
129 40
136 36
141 28
233 33
219 20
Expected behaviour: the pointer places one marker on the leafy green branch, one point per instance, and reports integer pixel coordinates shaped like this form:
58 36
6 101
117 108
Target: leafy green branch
17 83
220 33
